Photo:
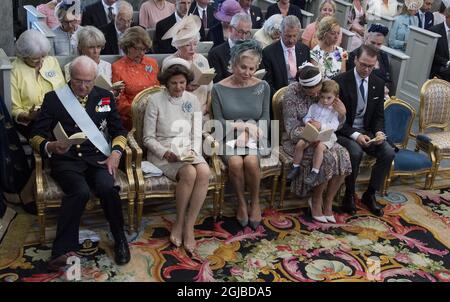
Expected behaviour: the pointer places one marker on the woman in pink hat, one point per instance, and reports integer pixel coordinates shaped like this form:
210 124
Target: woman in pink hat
219 32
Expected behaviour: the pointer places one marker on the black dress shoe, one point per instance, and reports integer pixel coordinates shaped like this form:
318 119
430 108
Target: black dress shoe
348 204
122 252
371 203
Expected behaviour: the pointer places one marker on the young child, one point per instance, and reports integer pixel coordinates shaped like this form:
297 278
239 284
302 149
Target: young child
328 118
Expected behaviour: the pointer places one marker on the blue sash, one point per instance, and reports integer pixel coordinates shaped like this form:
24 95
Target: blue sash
82 119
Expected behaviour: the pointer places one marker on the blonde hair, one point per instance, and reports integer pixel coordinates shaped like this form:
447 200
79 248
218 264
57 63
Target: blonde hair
330 86
322 4
132 36
89 36
325 25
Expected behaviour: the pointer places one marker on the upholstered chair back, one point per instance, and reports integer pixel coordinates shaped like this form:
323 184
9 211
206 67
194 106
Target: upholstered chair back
138 108
398 119
434 105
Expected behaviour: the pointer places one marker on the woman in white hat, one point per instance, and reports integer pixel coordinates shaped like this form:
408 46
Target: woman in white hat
400 29
169 134
185 37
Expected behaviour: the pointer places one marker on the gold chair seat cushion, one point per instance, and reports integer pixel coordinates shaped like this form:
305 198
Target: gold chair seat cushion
165 184
54 194
441 140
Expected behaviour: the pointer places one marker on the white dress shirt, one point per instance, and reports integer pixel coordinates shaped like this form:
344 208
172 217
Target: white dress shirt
366 92
105 7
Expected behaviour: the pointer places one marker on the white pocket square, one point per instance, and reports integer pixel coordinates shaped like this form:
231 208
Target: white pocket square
258 18
376 98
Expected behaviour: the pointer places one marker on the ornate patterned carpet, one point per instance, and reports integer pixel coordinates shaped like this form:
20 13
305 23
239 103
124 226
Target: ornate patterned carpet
410 243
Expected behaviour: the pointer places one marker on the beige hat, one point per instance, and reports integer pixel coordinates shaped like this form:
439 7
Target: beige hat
184 31
175 61
413 4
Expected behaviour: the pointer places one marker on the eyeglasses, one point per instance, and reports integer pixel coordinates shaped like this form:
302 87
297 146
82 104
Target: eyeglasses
141 49
241 32
363 65
82 82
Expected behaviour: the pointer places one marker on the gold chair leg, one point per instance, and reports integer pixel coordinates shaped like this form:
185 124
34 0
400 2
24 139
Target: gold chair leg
131 222
41 218
140 209
282 189
222 198
216 197
274 191
434 173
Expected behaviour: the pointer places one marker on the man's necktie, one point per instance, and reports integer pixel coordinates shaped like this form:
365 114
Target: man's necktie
204 20
110 14
291 62
361 90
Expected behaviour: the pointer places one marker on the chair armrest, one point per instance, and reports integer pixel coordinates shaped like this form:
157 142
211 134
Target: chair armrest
39 170
135 148
213 151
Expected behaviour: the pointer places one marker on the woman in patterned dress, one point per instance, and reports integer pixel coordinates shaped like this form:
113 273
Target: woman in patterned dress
330 58
336 162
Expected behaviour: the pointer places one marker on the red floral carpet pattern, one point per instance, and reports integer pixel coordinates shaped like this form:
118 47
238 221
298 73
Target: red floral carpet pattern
410 243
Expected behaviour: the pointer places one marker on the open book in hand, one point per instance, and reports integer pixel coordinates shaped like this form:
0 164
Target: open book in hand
102 82
311 134
377 139
74 139
251 144
202 77
260 74
188 156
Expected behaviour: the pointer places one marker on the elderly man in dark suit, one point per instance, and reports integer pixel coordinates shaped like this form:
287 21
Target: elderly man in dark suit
426 17
254 12
441 62
114 30
99 14
362 93
282 59
80 106
219 57
205 11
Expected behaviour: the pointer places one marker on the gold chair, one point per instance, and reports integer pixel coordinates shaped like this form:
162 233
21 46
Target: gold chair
49 194
161 186
399 117
434 112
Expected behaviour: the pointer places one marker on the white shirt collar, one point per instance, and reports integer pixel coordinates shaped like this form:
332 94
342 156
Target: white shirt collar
230 42
200 10
105 7
177 17
285 49
358 77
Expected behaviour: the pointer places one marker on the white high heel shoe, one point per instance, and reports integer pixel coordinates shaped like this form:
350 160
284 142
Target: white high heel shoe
330 218
322 219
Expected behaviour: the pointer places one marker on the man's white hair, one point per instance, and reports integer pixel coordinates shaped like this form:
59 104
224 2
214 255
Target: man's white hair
83 62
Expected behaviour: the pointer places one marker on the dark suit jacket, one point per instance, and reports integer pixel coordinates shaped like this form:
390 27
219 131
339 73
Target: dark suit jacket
257 17
293 10
383 72
94 15
215 34
218 58
209 13
441 55
165 46
53 111
112 44
374 116
274 63
429 20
